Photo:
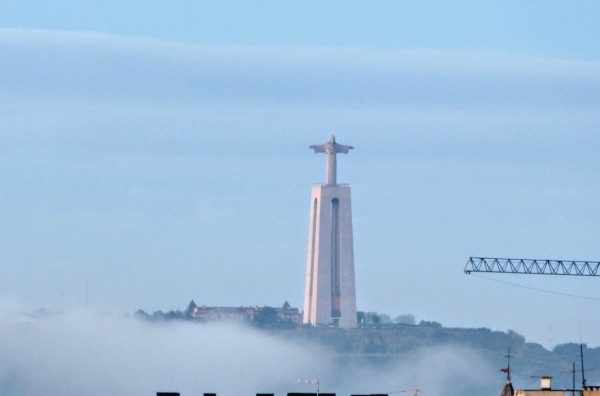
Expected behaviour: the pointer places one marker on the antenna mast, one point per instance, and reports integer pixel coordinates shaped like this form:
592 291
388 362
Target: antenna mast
508 356
582 370
573 378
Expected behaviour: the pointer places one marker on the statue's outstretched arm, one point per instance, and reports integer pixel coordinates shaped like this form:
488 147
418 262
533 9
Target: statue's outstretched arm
319 148
340 148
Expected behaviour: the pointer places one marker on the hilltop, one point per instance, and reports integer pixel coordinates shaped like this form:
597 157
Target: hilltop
379 340
386 343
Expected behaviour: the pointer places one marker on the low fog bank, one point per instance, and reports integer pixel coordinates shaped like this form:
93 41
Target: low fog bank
83 352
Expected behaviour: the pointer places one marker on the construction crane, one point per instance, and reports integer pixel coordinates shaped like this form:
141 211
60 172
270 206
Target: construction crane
537 267
532 266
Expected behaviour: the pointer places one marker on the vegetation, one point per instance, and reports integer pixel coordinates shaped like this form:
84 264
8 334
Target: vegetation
381 339
266 317
158 316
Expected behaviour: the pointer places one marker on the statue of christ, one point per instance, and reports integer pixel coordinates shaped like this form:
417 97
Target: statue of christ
331 148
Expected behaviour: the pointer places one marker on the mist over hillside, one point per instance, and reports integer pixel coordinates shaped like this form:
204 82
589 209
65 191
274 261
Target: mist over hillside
82 351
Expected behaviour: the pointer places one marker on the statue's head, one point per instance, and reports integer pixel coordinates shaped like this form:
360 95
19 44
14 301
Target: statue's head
331 139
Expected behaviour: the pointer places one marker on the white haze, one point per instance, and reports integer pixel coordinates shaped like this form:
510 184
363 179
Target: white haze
85 353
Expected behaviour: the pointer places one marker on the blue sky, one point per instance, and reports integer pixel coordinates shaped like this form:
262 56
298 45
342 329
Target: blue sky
544 28
159 153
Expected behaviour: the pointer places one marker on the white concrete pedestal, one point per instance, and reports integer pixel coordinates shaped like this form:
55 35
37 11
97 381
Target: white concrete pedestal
330 293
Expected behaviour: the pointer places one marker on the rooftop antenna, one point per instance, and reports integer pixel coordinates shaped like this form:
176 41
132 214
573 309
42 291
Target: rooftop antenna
313 381
581 354
573 371
582 370
573 379
508 356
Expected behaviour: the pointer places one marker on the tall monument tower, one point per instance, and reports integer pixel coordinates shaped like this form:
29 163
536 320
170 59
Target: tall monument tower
330 293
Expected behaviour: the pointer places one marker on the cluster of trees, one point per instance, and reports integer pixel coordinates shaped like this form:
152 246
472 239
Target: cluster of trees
267 318
378 320
158 316
374 318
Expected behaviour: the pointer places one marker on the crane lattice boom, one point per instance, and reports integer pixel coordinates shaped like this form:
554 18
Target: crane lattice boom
530 266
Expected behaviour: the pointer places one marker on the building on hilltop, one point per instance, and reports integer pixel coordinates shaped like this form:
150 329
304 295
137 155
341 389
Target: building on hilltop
190 308
222 313
285 314
288 314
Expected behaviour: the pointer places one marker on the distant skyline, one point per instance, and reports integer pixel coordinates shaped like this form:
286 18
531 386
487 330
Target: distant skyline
159 152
